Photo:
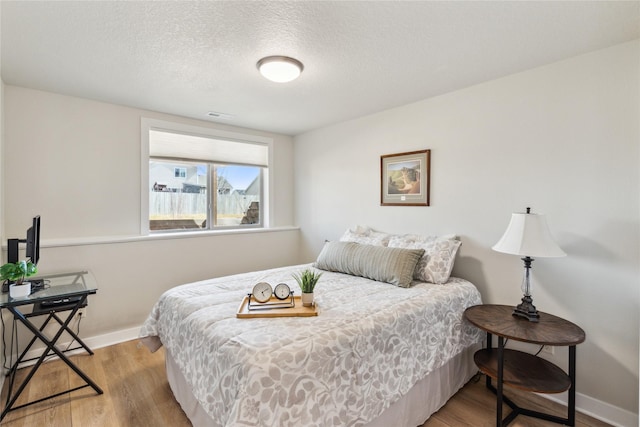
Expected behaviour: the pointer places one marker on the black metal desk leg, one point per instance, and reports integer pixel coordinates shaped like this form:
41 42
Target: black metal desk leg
571 418
50 347
80 304
499 381
11 400
489 344
14 368
33 340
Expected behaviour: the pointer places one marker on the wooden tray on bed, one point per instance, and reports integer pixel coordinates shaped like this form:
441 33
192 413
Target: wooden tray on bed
298 311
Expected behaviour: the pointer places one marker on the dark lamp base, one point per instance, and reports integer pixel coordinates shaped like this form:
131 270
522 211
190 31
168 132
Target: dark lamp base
527 310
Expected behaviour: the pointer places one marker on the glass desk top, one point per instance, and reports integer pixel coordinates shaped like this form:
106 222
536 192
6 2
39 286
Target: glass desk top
57 285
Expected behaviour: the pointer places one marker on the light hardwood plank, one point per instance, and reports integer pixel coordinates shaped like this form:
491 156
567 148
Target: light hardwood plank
88 408
48 379
137 394
474 405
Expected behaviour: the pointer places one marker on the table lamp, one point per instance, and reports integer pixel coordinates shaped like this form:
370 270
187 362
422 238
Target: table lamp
528 236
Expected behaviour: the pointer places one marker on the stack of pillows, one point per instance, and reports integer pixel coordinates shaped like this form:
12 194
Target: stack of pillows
395 259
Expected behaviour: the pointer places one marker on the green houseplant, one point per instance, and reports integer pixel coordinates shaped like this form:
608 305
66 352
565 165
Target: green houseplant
17 272
307 281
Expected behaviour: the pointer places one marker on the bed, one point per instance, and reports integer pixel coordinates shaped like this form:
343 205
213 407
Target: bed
376 355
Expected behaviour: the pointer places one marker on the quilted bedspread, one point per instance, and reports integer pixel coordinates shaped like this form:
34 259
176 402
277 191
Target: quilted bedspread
370 343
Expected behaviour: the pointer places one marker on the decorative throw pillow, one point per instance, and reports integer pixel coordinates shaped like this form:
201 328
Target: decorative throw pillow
391 265
439 255
365 236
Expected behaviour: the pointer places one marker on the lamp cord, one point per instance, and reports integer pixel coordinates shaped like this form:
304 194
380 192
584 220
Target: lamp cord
506 341
4 344
70 342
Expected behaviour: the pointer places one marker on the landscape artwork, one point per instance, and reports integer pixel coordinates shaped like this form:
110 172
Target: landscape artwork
405 179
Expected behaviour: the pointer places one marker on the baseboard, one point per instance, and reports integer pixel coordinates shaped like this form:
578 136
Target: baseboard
93 343
585 404
112 338
598 409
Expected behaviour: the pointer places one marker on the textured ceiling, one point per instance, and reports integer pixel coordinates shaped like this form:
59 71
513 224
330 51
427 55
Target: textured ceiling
189 58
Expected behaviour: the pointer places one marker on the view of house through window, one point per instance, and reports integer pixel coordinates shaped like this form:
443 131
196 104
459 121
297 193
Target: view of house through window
176 200
238 198
201 193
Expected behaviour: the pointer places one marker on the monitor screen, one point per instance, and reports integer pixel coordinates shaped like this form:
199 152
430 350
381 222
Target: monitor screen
33 241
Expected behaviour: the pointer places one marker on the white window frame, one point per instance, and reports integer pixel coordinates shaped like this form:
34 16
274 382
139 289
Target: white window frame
148 124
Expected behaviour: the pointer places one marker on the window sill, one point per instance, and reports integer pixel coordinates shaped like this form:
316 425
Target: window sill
55 243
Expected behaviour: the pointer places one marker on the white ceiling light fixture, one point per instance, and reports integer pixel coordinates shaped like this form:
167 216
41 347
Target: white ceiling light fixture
280 69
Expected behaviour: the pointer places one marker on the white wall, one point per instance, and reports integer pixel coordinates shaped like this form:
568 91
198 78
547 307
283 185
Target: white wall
1 158
5 316
562 139
77 163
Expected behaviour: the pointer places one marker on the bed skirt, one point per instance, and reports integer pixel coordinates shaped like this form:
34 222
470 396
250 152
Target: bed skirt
413 409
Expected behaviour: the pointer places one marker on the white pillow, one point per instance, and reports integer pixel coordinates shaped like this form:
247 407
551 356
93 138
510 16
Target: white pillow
439 255
365 236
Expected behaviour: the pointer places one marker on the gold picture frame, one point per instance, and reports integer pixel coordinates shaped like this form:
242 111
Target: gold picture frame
405 178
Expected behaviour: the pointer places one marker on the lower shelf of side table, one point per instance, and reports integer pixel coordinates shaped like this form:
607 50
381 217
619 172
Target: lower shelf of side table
523 371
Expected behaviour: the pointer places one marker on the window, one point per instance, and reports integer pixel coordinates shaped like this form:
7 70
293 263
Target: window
238 195
180 172
204 182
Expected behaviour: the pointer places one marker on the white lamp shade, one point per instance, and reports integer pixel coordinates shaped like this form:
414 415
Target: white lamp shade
528 235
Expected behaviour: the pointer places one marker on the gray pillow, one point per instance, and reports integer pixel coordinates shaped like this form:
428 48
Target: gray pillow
391 265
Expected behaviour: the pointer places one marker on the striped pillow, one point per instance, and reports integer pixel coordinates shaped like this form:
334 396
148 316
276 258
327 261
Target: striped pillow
391 265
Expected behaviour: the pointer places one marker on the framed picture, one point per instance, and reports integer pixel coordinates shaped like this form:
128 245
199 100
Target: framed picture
404 178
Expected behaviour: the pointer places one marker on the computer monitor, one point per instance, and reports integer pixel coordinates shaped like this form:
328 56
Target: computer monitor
32 241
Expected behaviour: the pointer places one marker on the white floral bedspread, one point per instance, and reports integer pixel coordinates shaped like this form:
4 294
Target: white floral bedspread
370 344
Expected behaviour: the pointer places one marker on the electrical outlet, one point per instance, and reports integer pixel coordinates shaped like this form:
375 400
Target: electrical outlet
548 349
82 313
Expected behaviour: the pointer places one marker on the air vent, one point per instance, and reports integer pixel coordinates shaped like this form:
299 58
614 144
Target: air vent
217 115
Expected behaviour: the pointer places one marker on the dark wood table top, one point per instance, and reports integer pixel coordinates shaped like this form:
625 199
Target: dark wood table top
524 371
549 330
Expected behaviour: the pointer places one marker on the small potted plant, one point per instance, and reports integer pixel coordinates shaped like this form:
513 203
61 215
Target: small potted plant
16 273
307 281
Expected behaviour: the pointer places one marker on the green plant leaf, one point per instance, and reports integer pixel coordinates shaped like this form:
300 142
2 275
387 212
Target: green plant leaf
307 280
18 271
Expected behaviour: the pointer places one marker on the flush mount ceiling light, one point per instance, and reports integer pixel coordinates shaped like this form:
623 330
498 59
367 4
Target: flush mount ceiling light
280 69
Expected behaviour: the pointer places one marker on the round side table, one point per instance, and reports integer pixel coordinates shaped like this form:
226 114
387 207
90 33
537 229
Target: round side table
523 370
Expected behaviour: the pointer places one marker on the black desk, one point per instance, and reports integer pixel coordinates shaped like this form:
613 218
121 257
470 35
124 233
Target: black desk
58 286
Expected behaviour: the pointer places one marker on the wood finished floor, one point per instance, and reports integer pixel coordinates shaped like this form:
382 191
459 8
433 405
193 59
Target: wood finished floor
136 394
